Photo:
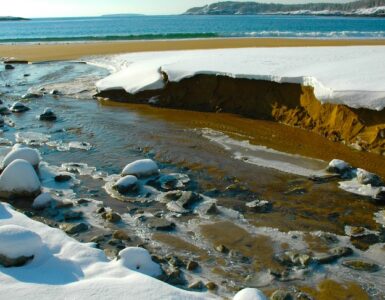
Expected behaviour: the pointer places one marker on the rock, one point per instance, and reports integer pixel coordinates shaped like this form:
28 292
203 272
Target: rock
173 181
54 92
187 199
111 252
121 235
175 261
14 262
281 295
198 285
210 209
141 168
63 178
98 239
72 215
338 166
83 201
303 296
74 228
100 210
361 265
21 152
296 190
31 96
333 255
294 258
211 286
19 107
160 224
111 217
126 184
174 277
42 201
9 67
176 207
48 115
27 75
4 111
18 245
192 265
249 294
2 122
259 206
365 177
19 179
222 249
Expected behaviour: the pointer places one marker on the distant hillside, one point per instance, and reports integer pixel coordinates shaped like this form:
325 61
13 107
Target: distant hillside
356 8
12 19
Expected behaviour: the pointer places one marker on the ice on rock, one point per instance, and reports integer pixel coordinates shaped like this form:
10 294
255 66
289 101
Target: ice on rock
139 259
365 177
42 201
17 241
338 166
141 168
19 152
32 138
20 179
249 294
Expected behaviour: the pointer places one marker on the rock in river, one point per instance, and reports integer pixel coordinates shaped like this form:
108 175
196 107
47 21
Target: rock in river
19 107
361 265
126 184
259 206
48 115
141 168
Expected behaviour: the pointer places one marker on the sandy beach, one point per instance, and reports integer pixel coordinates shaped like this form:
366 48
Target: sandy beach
66 51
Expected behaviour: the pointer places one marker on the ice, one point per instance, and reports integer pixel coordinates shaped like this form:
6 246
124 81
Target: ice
32 138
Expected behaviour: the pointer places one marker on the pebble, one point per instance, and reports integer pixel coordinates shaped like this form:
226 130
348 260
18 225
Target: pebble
121 235
160 224
259 206
111 217
198 285
211 286
192 265
361 265
221 249
74 228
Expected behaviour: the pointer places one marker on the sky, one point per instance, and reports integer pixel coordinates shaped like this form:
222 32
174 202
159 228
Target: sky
66 8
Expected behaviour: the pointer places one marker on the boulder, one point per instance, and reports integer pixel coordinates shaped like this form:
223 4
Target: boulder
250 294
8 67
365 177
338 166
18 245
20 152
141 168
19 107
126 184
361 265
19 179
48 115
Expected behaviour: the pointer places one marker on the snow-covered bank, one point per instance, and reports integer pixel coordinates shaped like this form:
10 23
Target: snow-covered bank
353 76
63 268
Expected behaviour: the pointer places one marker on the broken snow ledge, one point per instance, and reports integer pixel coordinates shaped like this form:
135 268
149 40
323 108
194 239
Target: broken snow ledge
288 103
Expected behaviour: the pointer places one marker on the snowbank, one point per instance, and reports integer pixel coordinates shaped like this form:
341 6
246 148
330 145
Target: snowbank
20 152
19 178
353 76
139 259
140 168
17 241
67 269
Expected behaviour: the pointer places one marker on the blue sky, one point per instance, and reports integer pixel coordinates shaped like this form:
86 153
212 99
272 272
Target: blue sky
47 8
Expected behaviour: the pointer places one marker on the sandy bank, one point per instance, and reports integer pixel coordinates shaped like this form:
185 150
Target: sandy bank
287 103
43 52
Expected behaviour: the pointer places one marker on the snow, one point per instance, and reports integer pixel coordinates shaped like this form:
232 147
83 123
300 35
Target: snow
139 259
249 294
140 168
19 152
127 181
352 75
42 201
17 241
339 165
19 177
67 269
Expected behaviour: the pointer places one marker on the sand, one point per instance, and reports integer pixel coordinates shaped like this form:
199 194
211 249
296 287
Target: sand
66 51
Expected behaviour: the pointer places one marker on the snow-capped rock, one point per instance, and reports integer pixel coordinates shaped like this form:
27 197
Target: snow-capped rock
338 166
47 115
365 177
126 184
139 259
18 107
19 179
20 152
18 245
141 168
42 201
249 294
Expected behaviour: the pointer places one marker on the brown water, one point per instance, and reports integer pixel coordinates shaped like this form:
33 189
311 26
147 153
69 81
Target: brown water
302 208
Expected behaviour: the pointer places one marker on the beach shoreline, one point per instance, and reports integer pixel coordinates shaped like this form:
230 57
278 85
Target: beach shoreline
38 52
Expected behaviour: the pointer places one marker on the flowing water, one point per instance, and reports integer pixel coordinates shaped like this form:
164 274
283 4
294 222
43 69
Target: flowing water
306 216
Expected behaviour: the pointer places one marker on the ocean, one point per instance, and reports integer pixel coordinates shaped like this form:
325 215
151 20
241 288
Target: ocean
184 27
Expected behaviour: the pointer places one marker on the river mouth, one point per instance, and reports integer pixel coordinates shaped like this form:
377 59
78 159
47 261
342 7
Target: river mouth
204 147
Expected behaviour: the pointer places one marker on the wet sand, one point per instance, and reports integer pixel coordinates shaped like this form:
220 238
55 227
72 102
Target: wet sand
66 51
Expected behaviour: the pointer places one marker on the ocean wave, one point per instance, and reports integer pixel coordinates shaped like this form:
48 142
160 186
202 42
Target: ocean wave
166 36
312 34
170 36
